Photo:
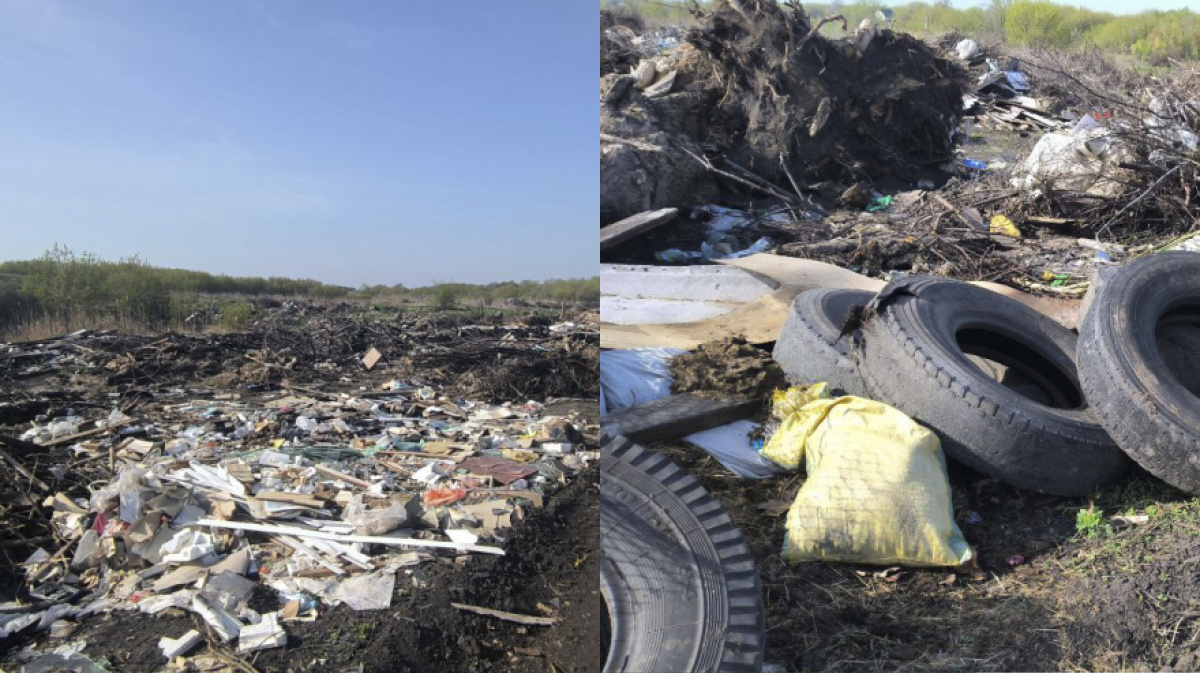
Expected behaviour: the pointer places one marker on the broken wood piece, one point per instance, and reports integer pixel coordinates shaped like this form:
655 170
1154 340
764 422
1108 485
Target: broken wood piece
968 216
676 416
366 539
506 616
371 359
342 475
619 232
38 483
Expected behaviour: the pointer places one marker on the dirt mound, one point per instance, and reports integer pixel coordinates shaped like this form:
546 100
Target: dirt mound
728 366
760 94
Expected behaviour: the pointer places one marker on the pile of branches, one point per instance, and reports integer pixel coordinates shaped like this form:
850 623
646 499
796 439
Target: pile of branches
1151 127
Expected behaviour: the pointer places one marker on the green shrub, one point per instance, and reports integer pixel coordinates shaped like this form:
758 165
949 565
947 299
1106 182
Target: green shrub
236 315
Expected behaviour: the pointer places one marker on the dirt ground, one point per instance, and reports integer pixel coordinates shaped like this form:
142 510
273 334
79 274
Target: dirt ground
1048 595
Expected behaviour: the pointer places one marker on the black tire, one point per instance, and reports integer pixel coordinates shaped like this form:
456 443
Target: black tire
682 590
1138 363
808 348
913 353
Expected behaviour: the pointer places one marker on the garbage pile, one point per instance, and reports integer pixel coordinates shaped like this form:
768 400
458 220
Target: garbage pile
322 498
485 356
1115 151
757 103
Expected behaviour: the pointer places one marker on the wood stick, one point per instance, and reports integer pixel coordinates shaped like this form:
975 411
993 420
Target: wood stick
506 616
41 485
343 476
86 433
366 539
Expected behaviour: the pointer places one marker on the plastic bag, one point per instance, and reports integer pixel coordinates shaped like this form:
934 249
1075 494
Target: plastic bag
126 482
877 490
443 496
374 521
732 446
634 376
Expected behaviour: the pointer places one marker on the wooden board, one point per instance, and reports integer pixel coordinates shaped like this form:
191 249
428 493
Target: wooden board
676 416
619 232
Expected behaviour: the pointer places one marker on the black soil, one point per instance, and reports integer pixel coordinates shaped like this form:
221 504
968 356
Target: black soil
729 366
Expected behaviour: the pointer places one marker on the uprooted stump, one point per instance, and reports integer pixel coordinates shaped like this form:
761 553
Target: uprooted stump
760 94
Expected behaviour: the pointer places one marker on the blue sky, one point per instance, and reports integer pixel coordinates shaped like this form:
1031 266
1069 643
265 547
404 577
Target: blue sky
373 141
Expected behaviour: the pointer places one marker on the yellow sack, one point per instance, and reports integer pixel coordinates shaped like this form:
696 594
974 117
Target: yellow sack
877 490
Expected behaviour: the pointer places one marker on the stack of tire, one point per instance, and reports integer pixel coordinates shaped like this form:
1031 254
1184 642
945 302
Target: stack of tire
1012 393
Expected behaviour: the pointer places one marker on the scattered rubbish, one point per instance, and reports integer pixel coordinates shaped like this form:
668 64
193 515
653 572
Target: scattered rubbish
1002 225
1015 560
264 635
879 203
677 256
966 49
907 517
735 448
320 496
1130 519
174 647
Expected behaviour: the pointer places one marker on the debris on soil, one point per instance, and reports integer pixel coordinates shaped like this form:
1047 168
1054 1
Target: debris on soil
727 367
758 102
131 485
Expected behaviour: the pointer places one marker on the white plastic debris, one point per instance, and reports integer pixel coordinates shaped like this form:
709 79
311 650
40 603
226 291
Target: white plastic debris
224 624
174 647
731 445
264 635
966 49
369 591
187 545
461 536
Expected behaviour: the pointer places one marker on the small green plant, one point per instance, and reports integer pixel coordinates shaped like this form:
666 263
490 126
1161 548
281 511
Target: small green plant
1091 524
235 315
365 630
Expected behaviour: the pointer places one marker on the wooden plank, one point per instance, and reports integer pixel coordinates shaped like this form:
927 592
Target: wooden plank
615 234
677 416
328 471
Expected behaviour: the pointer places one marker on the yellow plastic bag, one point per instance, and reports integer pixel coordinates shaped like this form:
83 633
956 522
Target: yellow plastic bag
877 490
1005 226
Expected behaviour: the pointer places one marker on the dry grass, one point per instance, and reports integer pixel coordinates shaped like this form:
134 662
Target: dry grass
47 328
1044 614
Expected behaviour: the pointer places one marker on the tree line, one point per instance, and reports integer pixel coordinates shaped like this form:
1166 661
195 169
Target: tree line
1153 35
